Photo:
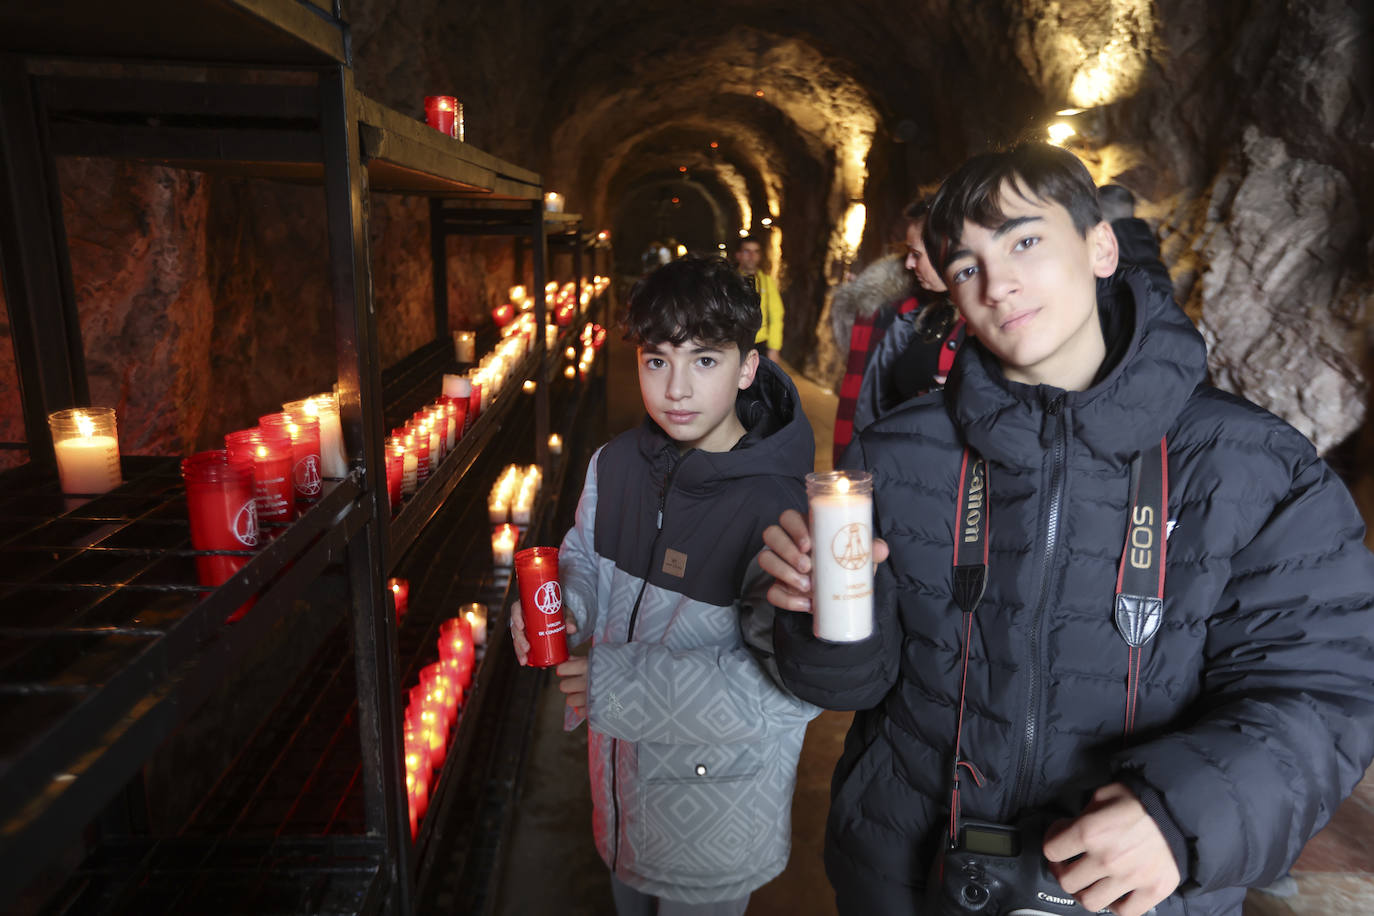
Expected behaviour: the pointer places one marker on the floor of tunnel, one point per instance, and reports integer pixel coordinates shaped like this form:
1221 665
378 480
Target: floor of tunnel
551 865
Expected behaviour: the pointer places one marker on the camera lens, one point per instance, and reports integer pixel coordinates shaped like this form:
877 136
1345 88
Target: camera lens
974 895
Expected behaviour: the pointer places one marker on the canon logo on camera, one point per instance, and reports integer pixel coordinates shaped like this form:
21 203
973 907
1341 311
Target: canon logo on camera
1050 898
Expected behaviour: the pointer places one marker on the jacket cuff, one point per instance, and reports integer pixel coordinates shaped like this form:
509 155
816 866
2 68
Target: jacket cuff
1154 806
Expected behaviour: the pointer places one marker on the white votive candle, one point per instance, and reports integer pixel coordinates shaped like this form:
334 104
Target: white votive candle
464 348
476 614
555 444
503 546
457 386
841 555
87 449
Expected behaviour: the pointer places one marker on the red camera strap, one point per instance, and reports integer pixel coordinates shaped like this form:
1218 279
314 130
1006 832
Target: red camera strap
1139 603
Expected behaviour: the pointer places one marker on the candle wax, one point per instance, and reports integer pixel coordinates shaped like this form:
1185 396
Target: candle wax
842 556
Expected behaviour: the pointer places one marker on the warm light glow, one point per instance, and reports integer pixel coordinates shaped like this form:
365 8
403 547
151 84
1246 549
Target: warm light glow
715 145
85 424
766 221
682 168
842 485
720 245
1068 112
1060 131
744 233
529 386
758 93
681 249
854 226
570 372
603 235
517 293
570 353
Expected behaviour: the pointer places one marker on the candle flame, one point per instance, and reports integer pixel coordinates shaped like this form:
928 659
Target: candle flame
262 451
311 408
85 424
842 485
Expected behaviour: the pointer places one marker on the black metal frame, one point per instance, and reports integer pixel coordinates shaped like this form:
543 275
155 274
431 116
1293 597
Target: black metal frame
327 134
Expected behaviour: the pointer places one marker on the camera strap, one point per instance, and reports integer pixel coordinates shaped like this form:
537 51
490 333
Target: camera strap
1139 602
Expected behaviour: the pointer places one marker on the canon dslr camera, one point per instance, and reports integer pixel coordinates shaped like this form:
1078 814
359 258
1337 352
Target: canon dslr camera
997 870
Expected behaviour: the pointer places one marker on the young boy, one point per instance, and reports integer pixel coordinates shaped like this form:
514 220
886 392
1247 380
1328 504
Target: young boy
693 743
1176 752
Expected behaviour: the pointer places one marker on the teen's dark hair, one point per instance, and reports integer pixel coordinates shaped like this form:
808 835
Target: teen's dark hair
1039 172
1117 202
693 298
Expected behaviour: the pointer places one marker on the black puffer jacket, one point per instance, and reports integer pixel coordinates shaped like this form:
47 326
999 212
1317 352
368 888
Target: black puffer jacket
1256 703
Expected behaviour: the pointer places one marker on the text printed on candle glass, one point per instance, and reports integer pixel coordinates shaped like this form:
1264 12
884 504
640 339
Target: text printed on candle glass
850 546
857 591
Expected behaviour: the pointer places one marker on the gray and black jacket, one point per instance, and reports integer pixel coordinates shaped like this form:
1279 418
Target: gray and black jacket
1255 712
693 742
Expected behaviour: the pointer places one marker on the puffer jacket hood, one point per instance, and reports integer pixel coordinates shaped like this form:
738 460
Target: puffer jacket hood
778 440
1162 361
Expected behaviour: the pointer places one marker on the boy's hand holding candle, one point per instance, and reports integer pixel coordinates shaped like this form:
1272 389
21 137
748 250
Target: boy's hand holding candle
786 556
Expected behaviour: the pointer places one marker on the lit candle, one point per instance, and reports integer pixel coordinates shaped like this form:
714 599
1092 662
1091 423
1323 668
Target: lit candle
842 555
503 546
498 510
325 408
465 346
517 294
441 114
550 336
476 615
555 444
400 592
87 449
410 470
522 509
570 372
529 386
553 202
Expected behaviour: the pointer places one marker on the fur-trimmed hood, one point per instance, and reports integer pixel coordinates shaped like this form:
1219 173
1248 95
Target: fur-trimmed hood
885 280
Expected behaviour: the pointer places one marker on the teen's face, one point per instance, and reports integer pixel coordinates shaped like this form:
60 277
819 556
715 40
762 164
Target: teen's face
689 389
1028 290
918 262
749 256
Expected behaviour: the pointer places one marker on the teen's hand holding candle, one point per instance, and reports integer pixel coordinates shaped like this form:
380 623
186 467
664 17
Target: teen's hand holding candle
786 556
573 671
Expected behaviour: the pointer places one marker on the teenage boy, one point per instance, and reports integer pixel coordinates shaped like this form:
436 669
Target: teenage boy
693 742
1177 751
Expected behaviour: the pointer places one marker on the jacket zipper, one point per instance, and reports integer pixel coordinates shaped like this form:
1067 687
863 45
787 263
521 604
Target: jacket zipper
1051 540
629 637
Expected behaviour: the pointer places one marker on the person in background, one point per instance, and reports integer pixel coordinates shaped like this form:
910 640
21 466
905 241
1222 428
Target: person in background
899 347
749 258
1134 238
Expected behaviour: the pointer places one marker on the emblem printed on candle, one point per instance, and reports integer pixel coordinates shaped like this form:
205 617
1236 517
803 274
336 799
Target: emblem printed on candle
246 524
842 580
307 475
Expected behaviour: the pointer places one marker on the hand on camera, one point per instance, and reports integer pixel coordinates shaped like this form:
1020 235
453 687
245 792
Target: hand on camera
786 556
1123 861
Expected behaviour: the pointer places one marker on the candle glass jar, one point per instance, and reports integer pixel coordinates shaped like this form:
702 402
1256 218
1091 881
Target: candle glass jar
441 113
325 409
541 604
86 444
476 615
223 512
269 453
841 555
304 433
464 347
395 470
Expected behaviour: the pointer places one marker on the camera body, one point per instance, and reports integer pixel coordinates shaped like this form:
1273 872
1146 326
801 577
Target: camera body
997 870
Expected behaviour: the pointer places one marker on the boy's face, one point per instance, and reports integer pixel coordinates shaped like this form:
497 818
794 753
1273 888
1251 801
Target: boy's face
689 390
748 257
1028 290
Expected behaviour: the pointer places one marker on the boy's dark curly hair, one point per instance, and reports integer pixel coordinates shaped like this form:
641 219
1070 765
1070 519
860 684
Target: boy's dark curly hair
693 298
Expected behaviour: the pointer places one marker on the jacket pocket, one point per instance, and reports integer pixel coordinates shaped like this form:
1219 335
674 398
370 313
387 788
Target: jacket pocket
700 812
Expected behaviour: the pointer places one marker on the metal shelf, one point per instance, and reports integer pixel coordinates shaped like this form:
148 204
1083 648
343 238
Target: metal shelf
263 32
108 640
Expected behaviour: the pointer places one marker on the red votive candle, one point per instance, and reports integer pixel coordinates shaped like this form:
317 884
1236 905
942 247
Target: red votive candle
457 650
400 593
541 603
475 402
441 113
304 435
270 453
395 470
417 442
224 516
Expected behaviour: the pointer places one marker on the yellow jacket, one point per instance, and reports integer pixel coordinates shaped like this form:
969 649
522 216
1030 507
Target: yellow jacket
771 304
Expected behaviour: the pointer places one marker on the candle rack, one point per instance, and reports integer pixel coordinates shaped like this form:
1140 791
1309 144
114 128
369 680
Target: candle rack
108 644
